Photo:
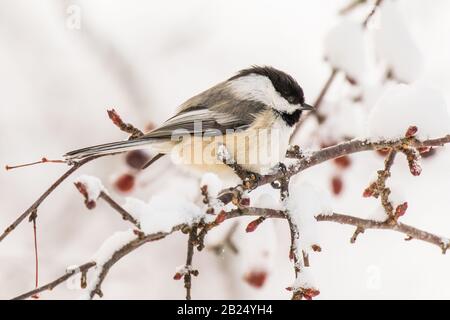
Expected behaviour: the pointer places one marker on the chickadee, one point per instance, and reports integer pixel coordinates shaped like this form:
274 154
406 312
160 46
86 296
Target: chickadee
252 115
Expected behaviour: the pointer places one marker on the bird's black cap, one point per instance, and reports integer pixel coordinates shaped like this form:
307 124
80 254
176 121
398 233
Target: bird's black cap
283 83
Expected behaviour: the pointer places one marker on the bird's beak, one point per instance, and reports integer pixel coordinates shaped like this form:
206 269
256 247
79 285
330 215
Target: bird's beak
306 106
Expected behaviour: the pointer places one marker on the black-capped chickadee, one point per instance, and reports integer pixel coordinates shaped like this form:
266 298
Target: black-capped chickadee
252 115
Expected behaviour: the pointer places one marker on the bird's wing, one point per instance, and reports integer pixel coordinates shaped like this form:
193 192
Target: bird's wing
213 116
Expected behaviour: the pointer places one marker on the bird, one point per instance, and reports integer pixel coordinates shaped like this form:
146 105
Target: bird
251 116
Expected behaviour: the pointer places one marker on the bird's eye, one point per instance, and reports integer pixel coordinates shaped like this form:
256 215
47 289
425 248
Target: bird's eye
291 99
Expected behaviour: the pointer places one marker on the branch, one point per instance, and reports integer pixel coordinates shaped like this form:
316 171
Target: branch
125 214
374 9
119 254
346 148
188 271
44 196
317 103
117 120
49 286
138 242
408 230
125 127
321 118
352 5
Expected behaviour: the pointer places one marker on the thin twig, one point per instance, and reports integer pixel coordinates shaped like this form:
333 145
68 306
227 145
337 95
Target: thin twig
134 244
317 103
321 118
352 5
441 242
122 252
58 281
124 213
347 148
372 12
125 127
188 266
268 213
38 202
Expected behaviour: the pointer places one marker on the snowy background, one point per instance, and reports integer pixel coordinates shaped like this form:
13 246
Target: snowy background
59 74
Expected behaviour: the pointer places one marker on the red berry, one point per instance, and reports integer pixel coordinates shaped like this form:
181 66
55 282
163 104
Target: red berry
137 159
125 182
336 185
256 278
90 204
343 162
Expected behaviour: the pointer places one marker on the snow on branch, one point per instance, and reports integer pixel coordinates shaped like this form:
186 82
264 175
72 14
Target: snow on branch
179 215
406 121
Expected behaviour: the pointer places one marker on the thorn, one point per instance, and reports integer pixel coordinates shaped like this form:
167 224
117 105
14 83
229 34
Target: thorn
43 160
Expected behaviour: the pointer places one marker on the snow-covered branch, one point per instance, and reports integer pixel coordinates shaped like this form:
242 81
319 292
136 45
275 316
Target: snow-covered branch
306 161
176 216
409 231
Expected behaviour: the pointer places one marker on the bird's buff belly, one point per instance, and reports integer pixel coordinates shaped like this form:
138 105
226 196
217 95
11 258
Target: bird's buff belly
254 150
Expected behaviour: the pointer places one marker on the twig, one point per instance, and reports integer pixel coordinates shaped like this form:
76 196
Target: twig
188 266
117 120
317 103
352 5
294 254
152 160
441 242
374 9
125 127
323 92
124 213
43 160
122 252
321 118
58 281
227 241
139 241
41 199
346 148
36 257
413 232
384 191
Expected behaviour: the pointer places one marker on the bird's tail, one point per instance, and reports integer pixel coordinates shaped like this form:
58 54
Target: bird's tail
107 148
